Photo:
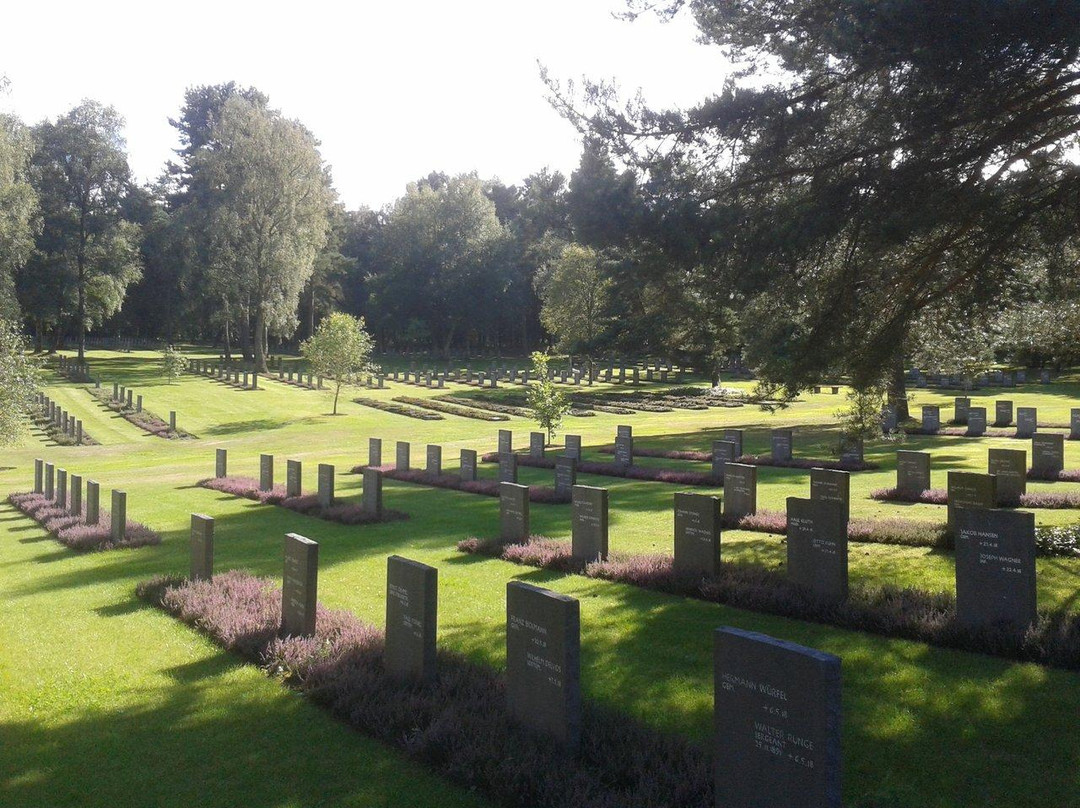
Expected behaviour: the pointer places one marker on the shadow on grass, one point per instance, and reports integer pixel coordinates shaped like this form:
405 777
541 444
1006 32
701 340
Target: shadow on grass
256 425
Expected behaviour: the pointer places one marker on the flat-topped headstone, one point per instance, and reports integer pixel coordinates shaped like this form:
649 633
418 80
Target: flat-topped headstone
995 569
1027 419
931 419
961 405
508 467
565 475
513 512
201 546
781 444
61 487
434 459
374 451
777 719
138 404
1074 424
889 420
39 475
1003 413
543 658
912 472
294 471
172 420
976 421
624 446
697 534
402 456
1010 468
1047 453
852 451
723 452
266 472
468 465
1044 377
831 486
589 523
970 490
740 490
573 447
93 502
372 493
75 498
506 441
817 546
118 516
50 481
412 598
326 485
221 463
299 586
537 444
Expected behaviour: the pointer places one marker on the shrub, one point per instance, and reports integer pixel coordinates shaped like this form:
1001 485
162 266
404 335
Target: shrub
345 513
615 470
540 494
73 531
452 409
399 409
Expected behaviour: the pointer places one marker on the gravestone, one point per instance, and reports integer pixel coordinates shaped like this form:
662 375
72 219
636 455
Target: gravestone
299 586
172 420
723 452
372 494
912 472
374 451
740 491
202 547
777 719
589 523
61 487
889 421
970 490
817 546
118 516
828 485
50 481
1026 421
138 404
39 475
537 443
1074 424
1044 377
781 444
75 499
508 467
434 459
961 405
995 569
326 485
543 658
624 446
293 478
468 465
266 472
976 423
412 597
506 441
513 512
1003 413
93 502
573 446
1047 453
931 419
221 463
697 535
565 475
402 456
1010 468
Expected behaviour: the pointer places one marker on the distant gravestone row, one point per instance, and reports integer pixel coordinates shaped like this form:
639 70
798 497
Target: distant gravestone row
61 420
66 490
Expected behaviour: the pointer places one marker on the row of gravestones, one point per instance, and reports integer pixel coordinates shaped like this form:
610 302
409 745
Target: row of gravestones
1009 465
975 418
71 368
123 344
997 378
66 490
245 380
777 704
60 418
371 502
127 399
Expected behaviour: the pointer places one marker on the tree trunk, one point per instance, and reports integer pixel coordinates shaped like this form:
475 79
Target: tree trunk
337 392
228 341
260 342
244 335
311 310
898 389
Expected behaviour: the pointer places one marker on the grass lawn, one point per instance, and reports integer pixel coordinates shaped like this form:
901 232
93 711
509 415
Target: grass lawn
104 701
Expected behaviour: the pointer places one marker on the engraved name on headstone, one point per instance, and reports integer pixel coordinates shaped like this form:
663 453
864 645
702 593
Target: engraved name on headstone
412 592
589 523
781 444
513 512
912 472
624 445
976 422
817 546
831 486
740 490
1010 468
1003 413
723 452
995 568
970 490
697 534
299 586
1047 453
1027 419
565 475
468 465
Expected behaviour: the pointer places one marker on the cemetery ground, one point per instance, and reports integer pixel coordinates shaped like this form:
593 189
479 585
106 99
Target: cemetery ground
107 701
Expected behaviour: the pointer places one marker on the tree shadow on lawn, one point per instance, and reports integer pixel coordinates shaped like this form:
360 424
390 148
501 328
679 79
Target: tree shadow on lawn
258 425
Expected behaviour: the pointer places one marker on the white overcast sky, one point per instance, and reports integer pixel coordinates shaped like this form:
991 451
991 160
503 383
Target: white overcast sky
393 90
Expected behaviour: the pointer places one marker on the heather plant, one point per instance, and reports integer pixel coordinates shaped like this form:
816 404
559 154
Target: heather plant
541 494
72 530
673 476
345 513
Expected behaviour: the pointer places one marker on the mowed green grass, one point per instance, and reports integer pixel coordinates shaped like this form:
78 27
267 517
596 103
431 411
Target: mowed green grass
104 701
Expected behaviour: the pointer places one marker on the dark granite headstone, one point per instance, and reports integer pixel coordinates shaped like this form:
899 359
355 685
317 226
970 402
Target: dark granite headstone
372 493
508 467
39 475
75 500
573 447
402 457
565 475
1074 424
995 568
1047 453
781 444
589 523
912 472
777 710
697 534
434 459
468 465
374 451
723 452
537 443
831 486
412 602
976 422
202 547
817 546
961 405
506 441
889 420
293 478
50 481
118 516
93 502
851 451
1003 413
299 586
61 487
735 436
931 419
970 490
543 658
1010 468
740 490
513 512
221 463
266 472
1027 419
326 485
624 446
1044 377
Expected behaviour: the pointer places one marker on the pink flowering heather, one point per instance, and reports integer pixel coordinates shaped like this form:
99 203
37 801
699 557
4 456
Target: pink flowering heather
931 496
541 494
145 420
73 531
345 513
807 463
1047 499
656 475
1065 476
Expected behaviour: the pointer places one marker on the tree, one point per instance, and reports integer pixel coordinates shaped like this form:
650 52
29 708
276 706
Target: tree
19 216
83 178
340 349
19 382
266 212
173 363
549 404
574 289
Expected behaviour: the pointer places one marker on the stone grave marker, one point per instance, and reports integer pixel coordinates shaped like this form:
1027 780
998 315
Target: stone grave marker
970 490
50 481
39 475
172 420
1047 453
624 446
817 556
831 486
723 452
434 459
506 441
889 421
221 463
543 658
565 475
1003 413
93 502
573 446
1026 421
468 465
537 443
508 467
372 493
912 472
976 421
995 568
119 516
374 451
202 547
781 444
266 472
61 487
1074 424
589 523
931 419
326 485
293 478
299 586
697 534
740 490
1009 466
961 405
75 500
412 596
513 512
851 451
403 456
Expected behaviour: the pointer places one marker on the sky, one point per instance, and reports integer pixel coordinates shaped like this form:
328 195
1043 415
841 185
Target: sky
392 90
